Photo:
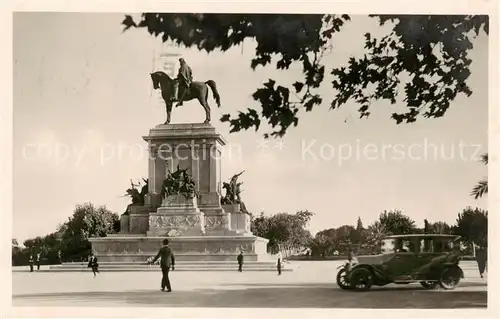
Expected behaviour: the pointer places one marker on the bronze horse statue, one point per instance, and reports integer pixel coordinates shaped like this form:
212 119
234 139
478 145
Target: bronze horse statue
198 90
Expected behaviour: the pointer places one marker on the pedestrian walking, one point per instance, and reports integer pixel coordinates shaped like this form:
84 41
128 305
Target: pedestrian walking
167 260
93 264
38 262
240 261
481 259
31 262
279 263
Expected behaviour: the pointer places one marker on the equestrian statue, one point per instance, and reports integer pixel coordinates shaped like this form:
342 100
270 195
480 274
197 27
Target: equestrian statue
184 89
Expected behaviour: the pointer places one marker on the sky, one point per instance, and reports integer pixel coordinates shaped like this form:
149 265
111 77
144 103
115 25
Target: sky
83 100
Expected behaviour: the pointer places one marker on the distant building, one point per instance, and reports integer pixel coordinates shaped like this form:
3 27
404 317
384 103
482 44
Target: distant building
166 59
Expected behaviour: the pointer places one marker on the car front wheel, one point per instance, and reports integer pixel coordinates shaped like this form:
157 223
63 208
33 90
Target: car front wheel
342 279
450 278
361 279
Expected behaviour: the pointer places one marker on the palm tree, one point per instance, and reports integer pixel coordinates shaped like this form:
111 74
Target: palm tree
482 187
376 232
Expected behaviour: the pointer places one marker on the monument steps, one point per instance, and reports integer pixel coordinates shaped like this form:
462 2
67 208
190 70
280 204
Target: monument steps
233 269
178 263
181 266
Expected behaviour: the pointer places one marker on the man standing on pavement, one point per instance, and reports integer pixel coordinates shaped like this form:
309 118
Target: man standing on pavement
279 263
481 259
167 259
240 261
31 261
38 262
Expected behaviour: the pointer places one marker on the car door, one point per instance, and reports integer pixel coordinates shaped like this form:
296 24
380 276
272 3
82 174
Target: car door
404 262
429 250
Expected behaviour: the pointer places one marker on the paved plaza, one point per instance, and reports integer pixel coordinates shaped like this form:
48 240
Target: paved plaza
311 285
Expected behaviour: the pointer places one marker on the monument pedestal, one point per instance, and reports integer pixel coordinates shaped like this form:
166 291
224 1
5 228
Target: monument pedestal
132 248
178 216
199 229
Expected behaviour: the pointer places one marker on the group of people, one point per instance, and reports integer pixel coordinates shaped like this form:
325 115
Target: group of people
279 262
32 261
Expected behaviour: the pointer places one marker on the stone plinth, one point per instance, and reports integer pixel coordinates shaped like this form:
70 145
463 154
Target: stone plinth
125 223
138 219
177 216
195 147
240 222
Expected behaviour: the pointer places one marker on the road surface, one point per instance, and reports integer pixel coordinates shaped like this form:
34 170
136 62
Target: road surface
311 285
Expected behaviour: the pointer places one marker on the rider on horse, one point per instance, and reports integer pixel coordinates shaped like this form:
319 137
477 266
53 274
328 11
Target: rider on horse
184 80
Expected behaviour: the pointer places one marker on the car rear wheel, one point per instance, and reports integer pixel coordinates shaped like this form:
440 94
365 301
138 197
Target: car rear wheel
450 278
342 279
429 284
361 279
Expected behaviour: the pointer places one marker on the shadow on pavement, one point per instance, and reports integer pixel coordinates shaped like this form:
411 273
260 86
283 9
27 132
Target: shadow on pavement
286 296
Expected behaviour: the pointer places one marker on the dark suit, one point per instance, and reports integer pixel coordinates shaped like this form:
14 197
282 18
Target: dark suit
481 259
240 262
278 265
31 262
93 264
167 259
38 262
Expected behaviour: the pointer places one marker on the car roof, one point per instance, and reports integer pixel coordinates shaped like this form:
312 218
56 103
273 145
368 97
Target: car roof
422 236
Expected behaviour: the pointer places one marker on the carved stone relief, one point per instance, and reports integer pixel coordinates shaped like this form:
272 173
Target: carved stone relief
182 221
217 221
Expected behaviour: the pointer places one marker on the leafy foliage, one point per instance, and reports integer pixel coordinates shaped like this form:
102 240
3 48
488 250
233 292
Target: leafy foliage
423 59
431 50
339 239
70 241
481 188
87 221
284 231
360 232
396 223
437 228
359 224
376 232
324 242
472 226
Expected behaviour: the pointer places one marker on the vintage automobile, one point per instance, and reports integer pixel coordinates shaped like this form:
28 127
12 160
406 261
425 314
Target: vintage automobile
429 259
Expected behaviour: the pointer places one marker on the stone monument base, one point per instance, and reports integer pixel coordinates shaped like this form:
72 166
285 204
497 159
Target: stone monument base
200 229
137 248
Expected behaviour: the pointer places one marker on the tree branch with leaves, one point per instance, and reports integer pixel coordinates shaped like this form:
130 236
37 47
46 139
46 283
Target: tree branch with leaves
481 188
422 61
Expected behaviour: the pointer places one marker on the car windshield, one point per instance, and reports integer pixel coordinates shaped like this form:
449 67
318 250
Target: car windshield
387 246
